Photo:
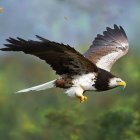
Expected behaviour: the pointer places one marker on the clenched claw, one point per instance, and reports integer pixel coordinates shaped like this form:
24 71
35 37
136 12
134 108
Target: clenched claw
82 98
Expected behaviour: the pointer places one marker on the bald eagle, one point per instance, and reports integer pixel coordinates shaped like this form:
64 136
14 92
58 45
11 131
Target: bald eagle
78 73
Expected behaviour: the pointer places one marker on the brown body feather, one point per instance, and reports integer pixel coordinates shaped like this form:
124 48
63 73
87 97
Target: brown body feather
64 82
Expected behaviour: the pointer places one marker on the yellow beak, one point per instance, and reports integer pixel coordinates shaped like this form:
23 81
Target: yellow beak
122 83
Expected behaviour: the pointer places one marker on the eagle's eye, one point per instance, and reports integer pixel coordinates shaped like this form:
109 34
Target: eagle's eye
118 80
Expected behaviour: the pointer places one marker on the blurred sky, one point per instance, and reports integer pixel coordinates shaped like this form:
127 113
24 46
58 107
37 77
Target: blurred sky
72 22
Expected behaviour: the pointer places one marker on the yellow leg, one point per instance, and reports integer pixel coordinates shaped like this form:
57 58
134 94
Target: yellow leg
82 98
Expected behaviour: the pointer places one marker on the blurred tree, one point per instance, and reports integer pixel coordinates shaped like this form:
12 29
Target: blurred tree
52 115
119 124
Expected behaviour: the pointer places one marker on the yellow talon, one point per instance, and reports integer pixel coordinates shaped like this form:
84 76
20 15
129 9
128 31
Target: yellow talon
82 98
85 97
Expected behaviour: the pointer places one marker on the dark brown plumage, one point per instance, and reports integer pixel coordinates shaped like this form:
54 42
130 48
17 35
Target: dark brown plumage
102 80
62 58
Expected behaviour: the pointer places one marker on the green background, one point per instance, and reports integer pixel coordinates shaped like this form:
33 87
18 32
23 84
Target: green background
50 114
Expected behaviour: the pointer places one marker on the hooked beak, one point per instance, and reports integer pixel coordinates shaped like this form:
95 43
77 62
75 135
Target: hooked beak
122 83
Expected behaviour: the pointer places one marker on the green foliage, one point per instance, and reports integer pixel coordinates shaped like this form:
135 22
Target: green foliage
52 115
119 124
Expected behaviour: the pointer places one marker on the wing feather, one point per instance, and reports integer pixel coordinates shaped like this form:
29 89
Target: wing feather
62 58
106 49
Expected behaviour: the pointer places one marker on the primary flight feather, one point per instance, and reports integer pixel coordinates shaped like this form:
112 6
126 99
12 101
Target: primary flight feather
79 73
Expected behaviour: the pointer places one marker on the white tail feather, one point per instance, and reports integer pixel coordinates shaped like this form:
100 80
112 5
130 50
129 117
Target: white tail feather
44 86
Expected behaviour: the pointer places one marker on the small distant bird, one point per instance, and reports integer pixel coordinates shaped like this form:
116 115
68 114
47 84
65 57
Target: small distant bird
1 9
78 73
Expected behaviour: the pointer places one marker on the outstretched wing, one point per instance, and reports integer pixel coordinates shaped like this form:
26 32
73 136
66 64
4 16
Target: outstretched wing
62 58
108 48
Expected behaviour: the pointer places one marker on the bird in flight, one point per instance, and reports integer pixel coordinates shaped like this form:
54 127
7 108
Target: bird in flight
78 73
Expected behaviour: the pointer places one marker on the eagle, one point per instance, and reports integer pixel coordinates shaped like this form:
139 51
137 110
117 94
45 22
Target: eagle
78 72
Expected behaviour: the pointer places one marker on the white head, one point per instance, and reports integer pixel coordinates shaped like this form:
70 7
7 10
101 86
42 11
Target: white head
114 82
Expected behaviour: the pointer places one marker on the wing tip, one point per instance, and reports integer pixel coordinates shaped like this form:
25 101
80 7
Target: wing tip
41 38
116 31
